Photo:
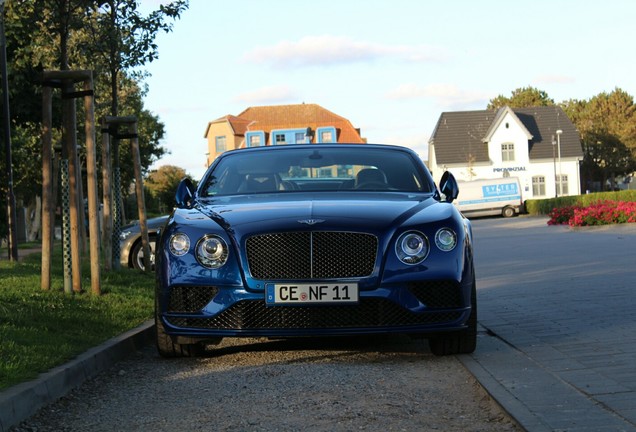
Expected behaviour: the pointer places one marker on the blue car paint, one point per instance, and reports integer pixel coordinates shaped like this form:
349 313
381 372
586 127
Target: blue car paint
384 214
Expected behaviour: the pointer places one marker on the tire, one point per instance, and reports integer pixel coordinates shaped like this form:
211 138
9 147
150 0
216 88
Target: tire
137 254
169 349
463 342
508 212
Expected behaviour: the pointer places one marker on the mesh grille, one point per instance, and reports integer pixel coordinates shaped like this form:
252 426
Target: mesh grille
438 294
368 313
311 255
190 299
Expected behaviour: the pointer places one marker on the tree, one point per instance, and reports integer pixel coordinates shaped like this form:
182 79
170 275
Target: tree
607 126
521 98
162 184
54 34
123 40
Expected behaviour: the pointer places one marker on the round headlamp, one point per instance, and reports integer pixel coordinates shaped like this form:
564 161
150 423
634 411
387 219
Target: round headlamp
212 251
412 247
446 239
179 244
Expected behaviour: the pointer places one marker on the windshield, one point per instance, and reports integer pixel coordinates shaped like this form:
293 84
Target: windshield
316 169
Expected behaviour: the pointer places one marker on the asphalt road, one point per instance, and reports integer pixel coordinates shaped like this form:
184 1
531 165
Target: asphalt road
559 308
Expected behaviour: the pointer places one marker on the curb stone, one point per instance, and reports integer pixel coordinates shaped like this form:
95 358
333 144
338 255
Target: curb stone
21 401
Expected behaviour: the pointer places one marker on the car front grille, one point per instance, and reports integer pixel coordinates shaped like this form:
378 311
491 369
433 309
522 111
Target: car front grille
311 255
441 294
190 299
369 313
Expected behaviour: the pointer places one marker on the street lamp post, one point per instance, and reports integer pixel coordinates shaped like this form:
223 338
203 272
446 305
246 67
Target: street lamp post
554 143
11 219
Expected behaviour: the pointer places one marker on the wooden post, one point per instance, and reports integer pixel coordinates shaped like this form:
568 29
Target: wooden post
70 141
65 80
141 202
107 197
48 215
91 180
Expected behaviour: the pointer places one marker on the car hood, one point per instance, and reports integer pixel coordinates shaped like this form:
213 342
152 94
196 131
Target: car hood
341 211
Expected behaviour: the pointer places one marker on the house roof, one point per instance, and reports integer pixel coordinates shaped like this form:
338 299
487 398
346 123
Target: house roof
238 125
268 118
463 135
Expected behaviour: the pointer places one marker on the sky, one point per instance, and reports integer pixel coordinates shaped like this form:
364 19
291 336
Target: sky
390 67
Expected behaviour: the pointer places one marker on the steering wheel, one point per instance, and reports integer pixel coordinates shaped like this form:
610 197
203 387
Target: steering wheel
372 185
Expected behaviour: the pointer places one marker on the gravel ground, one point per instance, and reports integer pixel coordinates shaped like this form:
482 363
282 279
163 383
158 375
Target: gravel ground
367 384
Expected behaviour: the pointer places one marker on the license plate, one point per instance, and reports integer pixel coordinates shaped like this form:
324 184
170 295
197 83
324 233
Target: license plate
311 293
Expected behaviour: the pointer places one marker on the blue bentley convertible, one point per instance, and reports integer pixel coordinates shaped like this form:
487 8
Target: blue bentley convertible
316 240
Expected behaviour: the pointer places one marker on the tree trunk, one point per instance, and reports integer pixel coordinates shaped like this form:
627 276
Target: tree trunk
35 220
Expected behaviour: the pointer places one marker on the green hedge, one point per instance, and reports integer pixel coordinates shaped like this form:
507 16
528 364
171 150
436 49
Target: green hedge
545 206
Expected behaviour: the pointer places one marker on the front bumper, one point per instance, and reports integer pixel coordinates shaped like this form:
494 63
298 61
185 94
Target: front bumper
416 307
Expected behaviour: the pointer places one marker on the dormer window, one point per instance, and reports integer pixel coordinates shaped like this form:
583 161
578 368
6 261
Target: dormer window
326 134
507 152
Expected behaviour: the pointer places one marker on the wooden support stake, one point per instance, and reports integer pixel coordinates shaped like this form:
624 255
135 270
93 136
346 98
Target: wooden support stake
107 197
68 107
91 180
48 215
141 202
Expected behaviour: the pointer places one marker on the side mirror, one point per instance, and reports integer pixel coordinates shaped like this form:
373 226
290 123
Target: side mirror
448 186
185 193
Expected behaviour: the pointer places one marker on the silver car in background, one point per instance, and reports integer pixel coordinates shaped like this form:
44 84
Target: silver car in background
132 253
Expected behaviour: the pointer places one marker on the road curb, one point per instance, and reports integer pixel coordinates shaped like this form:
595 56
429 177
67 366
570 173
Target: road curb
23 400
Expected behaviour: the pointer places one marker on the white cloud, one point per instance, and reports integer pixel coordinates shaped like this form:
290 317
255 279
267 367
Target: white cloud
445 95
334 50
268 95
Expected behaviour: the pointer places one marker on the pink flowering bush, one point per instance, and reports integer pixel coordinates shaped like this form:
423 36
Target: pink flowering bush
562 215
599 213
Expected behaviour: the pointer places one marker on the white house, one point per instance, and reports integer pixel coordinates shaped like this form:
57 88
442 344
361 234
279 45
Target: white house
539 145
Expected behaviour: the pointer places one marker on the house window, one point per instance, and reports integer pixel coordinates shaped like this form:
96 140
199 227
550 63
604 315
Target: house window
300 138
220 144
508 152
562 184
255 140
538 186
326 135
279 139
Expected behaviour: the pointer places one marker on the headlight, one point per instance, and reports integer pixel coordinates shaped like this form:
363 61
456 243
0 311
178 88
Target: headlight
412 247
212 251
446 239
179 244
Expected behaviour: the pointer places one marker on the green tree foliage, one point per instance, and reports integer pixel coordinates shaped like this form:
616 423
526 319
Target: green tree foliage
162 184
122 40
74 34
520 98
607 125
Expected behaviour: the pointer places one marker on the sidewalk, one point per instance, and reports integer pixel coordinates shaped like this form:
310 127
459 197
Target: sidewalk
557 315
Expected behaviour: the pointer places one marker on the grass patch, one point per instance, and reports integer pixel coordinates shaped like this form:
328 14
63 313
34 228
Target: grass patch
43 329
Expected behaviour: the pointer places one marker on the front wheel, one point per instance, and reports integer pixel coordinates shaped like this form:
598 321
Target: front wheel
463 342
167 348
508 212
137 254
